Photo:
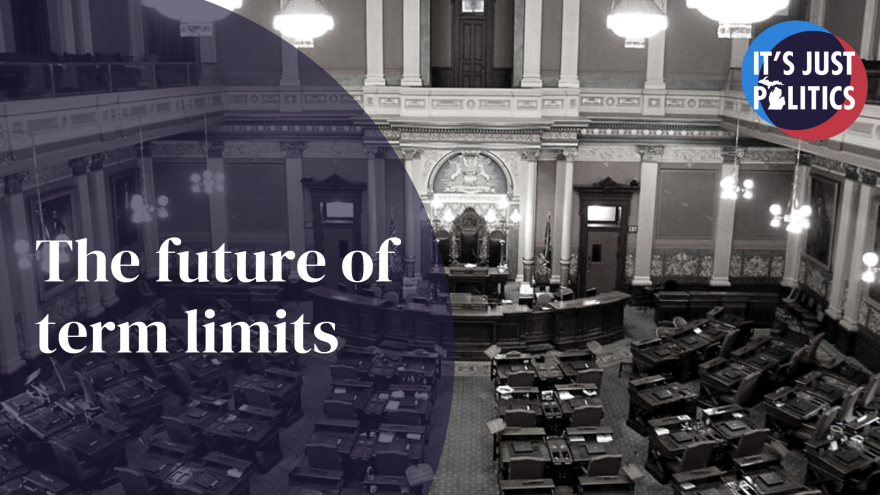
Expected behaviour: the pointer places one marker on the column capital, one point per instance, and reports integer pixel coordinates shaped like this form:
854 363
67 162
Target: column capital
529 155
214 149
80 166
377 152
568 154
410 153
650 153
13 183
293 149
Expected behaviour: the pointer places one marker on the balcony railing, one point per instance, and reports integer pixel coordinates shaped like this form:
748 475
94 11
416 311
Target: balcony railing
45 80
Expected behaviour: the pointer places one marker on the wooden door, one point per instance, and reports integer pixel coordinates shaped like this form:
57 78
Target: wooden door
472 43
602 259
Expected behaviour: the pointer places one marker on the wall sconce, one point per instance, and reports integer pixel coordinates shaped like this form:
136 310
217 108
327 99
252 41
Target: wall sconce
515 217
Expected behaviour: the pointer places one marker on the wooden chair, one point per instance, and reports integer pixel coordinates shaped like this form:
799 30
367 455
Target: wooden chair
520 418
134 482
588 415
337 409
521 379
179 431
809 433
67 383
605 465
745 392
159 372
679 322
114 412
591 376
696 456
526 468
392 463
88 389
71 467
869 400
752 443
847 409
324 457
728 344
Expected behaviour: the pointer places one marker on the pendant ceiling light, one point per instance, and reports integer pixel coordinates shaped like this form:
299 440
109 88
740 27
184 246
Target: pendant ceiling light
797 219
735 18
194 10
302 21
636 20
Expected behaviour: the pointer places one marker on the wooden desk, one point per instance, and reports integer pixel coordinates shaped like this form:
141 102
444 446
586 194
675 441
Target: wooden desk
527 487
787 408
776 482
207 479
656 402
573 362
245 437
828 469
824 386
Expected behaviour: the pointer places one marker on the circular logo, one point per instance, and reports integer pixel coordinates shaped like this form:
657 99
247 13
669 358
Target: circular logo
805 81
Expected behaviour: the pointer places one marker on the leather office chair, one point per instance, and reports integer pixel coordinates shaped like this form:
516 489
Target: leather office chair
521 379
114 412
728 344
679 322
159 372
184 382
813 346
179 431
588 415
752 443
341 287
66 382
869 400
520 418
591 376
604 465
847 409
72 468
404 417
392 297
810 432
343 372
377 291
696 456
134 482
391 463
323 457
88 389
745 392
337 409
544 299
526 468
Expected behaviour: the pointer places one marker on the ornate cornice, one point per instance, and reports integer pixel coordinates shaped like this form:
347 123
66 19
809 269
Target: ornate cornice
849 171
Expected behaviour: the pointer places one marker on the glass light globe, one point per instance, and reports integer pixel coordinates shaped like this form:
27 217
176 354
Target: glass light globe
24 263
22 246
137 202
728 182
636 20
870 259
776 223
503 203
207 174
806 210
220 177
491 216
163 213
515 217
869 277
195 188
749 184
748 194
194 10
162 200
303 20
735 19
775 210
436 203
195 178
220 188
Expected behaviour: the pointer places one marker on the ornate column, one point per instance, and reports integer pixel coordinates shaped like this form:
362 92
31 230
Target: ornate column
647 205
413 210
567 193
149 230
28 287
217 200
655 84
843 235
530 176
794 246
136 29
103 233
532 45
816 14
80 168
375 53
84 33
293 164
412 44
861 244
10 357
724 225
568 66
867 49
374 155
